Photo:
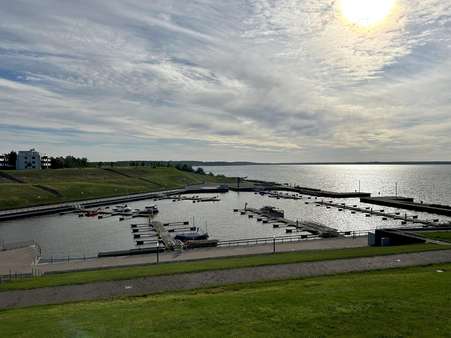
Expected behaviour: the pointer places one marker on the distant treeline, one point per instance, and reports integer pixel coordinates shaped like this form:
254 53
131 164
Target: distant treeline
183 166
68 162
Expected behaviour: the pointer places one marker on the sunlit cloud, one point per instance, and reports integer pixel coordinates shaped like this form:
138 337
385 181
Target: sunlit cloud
274 80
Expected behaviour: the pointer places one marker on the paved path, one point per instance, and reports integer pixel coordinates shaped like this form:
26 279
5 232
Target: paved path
150 285
18 261
206 253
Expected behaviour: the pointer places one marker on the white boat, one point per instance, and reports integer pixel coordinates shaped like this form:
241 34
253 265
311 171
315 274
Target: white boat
152 208
122 208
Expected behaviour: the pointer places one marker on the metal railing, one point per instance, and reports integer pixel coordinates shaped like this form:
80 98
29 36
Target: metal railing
62 259
355 233
265 240
18 245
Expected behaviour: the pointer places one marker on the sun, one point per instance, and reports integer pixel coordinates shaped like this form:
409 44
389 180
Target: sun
366 13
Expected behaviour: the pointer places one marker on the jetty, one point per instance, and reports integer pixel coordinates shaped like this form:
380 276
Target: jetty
260 186
369 212
408 204
195 198
275 217
152 233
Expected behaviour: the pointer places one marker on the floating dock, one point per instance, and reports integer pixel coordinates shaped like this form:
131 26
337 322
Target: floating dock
279 221
368 211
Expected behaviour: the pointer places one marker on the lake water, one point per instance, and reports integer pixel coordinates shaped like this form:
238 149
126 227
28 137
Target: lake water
69 235
429 183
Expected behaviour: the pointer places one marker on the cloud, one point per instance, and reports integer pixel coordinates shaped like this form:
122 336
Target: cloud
256 80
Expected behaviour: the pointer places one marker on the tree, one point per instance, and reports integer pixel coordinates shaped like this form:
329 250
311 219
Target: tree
56 163
11 159
200 171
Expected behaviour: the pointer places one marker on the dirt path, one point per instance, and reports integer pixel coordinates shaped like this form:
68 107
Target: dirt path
151 285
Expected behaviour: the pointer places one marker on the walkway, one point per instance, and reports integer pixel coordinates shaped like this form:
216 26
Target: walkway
205 253
17 261
151 285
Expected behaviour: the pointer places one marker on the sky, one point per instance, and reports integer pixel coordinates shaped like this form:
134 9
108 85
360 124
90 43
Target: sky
236 80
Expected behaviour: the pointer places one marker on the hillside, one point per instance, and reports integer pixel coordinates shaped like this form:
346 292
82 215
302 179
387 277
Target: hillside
30 188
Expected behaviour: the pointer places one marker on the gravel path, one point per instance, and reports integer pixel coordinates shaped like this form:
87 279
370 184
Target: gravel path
151 285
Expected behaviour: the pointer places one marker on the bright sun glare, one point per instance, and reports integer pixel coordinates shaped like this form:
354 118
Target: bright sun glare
366 13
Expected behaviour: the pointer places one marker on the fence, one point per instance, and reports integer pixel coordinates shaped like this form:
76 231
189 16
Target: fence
52 259
355 234
18 245
265 240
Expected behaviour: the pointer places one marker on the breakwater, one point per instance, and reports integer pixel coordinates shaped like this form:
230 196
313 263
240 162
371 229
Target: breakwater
408 204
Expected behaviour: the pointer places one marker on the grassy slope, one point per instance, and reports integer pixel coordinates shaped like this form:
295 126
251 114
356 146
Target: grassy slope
413 302
212 264
437 235
79 184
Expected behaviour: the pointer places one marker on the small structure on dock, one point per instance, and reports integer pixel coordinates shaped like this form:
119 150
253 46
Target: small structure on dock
272 212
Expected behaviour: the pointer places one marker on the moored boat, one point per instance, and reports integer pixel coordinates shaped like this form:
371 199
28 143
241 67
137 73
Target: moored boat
152 209
192 235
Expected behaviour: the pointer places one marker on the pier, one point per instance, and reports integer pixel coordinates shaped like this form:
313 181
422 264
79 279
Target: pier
408 204
368 211
153 233
254 186
277 220
322 193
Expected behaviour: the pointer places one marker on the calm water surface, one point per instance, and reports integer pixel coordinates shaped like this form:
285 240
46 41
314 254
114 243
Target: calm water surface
60 236
430 183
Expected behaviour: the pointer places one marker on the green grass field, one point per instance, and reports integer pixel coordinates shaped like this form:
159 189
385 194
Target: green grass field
414 302
437 235
89 183
211 264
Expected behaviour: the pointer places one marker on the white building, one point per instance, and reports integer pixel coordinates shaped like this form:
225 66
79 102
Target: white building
28 160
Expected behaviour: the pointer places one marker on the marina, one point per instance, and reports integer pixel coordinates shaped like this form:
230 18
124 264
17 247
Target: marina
107 230
131 224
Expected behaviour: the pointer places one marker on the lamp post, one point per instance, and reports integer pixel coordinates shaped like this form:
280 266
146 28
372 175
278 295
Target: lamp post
158 251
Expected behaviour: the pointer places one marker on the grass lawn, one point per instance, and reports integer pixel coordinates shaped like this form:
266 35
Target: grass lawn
414 302
13 195
437 235
92 183
211 264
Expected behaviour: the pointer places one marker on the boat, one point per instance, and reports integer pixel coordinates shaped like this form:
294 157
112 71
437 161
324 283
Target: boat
122 209
272 212
92 213
192 236
152 209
